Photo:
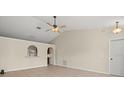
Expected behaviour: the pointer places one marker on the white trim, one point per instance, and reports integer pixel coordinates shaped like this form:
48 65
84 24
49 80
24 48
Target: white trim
91 70
26 68
109 55
5 37
120 38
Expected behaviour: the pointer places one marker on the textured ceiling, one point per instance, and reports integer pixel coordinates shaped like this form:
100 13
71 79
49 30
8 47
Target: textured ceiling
24 27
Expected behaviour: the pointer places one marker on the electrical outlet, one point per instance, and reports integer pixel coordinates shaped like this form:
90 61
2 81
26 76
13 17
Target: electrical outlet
64 62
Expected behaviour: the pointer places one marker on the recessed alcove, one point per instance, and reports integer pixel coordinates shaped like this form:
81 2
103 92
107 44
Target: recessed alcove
32 51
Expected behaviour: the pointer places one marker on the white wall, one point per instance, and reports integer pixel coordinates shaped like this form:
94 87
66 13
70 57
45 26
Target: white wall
86 49
13 54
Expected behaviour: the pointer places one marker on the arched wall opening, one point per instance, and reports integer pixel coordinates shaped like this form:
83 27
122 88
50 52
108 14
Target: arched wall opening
50 56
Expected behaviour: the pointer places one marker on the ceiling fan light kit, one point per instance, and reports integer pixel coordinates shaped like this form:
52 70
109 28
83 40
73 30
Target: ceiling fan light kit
55 29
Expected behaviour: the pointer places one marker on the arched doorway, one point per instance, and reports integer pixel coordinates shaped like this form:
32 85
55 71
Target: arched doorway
50 56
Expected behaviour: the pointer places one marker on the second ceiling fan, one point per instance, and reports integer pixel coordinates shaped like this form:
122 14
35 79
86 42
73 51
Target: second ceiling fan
54 26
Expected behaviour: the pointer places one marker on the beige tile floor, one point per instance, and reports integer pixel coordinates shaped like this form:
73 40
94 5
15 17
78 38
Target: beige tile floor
53 71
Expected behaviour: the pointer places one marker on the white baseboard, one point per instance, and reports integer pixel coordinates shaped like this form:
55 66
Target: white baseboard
25 68
82 69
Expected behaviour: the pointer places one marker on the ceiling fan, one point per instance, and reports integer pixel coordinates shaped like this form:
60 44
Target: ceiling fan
117 29
54 26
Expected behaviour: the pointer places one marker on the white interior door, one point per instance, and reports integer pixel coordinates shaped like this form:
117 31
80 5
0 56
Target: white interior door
117 57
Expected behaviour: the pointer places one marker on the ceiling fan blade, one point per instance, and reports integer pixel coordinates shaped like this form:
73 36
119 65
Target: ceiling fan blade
59 32
49 24
63 26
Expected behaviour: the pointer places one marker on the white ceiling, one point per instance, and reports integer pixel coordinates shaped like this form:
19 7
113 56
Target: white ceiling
24 27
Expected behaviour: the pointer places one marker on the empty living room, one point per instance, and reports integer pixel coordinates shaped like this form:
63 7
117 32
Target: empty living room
61 46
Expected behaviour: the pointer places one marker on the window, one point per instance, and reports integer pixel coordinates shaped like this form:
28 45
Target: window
32 51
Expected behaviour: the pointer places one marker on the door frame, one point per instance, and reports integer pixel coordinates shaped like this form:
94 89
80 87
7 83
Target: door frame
53 55
113 39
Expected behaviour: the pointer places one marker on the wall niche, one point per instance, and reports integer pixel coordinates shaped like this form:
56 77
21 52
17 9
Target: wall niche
32 51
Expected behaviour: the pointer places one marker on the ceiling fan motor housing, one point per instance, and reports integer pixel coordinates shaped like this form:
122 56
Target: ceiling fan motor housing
55 26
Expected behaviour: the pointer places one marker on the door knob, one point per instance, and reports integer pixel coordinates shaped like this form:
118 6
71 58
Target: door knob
111 58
